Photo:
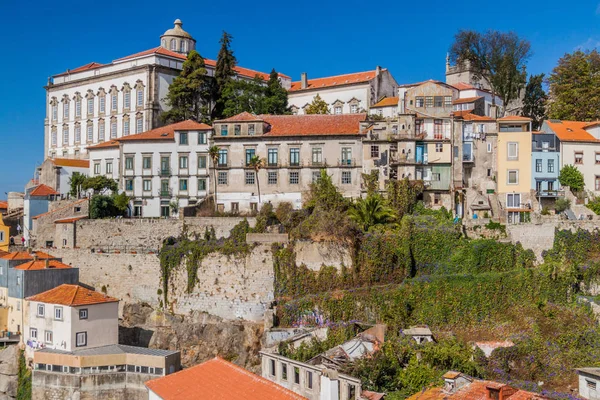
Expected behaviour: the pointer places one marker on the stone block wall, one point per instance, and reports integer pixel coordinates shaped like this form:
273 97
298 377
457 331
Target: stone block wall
44 228
316 254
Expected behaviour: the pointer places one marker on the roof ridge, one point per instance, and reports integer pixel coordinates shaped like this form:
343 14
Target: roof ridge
59 209
74 294
341 75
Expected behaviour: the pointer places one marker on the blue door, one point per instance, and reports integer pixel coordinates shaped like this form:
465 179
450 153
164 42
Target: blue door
419 156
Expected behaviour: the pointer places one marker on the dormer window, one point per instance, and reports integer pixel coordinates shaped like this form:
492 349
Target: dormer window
223 130
337 110
250 129
237 129
494 394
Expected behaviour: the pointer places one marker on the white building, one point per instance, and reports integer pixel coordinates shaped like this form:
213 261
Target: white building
345 94
57 172
71 317
589 383
158 167
469 96
98 102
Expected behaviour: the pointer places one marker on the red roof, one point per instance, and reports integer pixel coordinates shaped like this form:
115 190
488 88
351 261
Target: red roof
23 255
463 86
42 190
166 132
338 80
592 124
92 65
514 118
313 124
69 219
466 100
218 379
468 115
157 50
72 296
476 390
3 205
243 116
36 265
386 102
60 208
68 162
571 131
105 145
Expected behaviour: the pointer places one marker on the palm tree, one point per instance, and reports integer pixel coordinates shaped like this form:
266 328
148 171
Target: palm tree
213 153
256 163
371 211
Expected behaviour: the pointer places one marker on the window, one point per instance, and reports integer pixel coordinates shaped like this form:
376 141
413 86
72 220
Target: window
374 151
346 155
33 333
337 110
96 168
128 162
315 176
140 97
201 184
77 133
272 367
113 129
223 130
351 392
109 167
489 147
90 133
78 108
222 178
579 157
129 185
81 339
183 162
597 158
489 172
101 131
346 177
297 375
309 379
102 105
147 162
90 107
19 304
173 44
438 101
272 157
40 310
54 137
439 147
250 178
147 185
139 124
127 100
54 112
513 200
65 135
113 102
317 156
538 165
183 138
66 109
590 384
437 128
437 198
48 336
237 129
436 176
250 153
429 101
183 185
272 177
513 150
513 177
447 101
126 129
250 129
202 161
222 158
597 183
353 108
419 101
201 137
294 177
418 126
58 313
284 371
294 156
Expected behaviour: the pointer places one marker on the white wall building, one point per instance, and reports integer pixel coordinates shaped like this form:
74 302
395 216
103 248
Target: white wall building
158 167
71 317
589 383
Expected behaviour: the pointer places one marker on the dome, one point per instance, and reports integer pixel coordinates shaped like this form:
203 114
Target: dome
177 30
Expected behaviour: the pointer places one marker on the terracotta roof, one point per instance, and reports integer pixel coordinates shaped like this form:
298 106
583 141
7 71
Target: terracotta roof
338 80
368 395
23 255
244 116
468 115
314 124
72 296
166 132
69 162
92 65
3 253
466 100
105 145
69 220
218 379
592 124
571 131
60 208
156 50
386 102
515 118
463 86
451 375
406 85
476 390
42 190
35 265
3 204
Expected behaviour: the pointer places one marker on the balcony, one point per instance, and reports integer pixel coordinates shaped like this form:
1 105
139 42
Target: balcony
403 159
468 158
223 164
165 193
549 193
164 172
349 162
318 164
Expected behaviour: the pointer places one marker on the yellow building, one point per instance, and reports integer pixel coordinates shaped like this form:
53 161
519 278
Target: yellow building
4 236
514 168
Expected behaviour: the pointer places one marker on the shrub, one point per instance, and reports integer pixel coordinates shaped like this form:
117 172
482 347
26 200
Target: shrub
545 211
562 204
572 177
594 204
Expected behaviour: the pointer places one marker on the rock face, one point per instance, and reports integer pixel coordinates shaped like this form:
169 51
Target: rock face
198 335
9 366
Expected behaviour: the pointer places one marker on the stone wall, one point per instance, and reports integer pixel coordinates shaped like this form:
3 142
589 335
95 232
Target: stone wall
316 254
44 228
9 368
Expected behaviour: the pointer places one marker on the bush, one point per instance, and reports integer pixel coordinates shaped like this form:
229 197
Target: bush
562 204
545 211
572 177
104 207
594 204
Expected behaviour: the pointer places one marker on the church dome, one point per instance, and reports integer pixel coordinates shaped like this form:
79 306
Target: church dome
177 30
178 40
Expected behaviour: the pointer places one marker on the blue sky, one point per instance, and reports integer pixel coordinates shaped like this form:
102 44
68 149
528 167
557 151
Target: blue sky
43 38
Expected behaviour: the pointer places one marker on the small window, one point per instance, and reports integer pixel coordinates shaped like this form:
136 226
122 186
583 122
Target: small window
337 110
309 379
489 147
513 150
437 198
201 137
447 101
590 384
250 178
183 185
489 172
58 313
294 177
109 167
597 158
353 108
272 367
438 101
513 177
297 375
419 101
96 168
237 129
147 162
284 375
33 333
579 157
223 130
147 185
222 178
18 305
315 176
183 162
129 185
201 184
202 161
48 336
40 310
250 129
81 338
550 165
428 101
346 177
183 138
351 392
374 151
439 147
128 162
538 165
272 178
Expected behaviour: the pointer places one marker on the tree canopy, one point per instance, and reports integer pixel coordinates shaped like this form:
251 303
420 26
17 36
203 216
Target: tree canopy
224 73
575 87
317 106
255 96
570 176
534 102
76 182
499 58
99 184
370 212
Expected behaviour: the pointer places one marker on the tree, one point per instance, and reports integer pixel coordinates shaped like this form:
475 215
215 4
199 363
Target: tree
276 101
76 183
243 95
257 163
100 184
190 93
370 212
498 58
534 102
213 153
403 195
575 87
224 72
570 176
121 202
102 206
318 106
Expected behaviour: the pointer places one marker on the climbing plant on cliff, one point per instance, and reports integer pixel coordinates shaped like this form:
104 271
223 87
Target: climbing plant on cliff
23 379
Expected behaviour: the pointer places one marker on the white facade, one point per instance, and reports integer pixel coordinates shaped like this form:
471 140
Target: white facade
488 100
589 383
358 96
586 157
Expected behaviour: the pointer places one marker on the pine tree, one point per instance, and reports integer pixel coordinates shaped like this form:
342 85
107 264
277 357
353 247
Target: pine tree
276 96
317 106
224 73
189 94
534 102
241 95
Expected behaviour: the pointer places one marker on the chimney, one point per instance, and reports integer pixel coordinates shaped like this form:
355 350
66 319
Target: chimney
35 256
330 387
303 80
377 70
47 263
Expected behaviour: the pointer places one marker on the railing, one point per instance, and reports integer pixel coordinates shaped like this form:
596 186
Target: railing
403 159
164 172
468 158
165 193
222 165
549 193
347 163
314 163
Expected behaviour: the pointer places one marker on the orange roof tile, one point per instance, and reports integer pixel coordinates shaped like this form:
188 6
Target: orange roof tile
476 390
69 219
218 379
43 190
105 145
3 204
338 80
36 265
571 131
243 116
463 86
466 100
156 50
592 124
408 85
166 132
515 118
314 124
69 162
3 253
92 65
386 102
72 296
60 208
23 255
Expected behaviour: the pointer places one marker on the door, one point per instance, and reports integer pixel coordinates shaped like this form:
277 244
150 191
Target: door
419 153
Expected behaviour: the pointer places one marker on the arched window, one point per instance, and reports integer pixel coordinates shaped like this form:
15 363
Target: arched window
182 46
173 44
164 43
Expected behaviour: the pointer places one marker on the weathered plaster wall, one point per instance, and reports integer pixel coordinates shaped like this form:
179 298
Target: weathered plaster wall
316 254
